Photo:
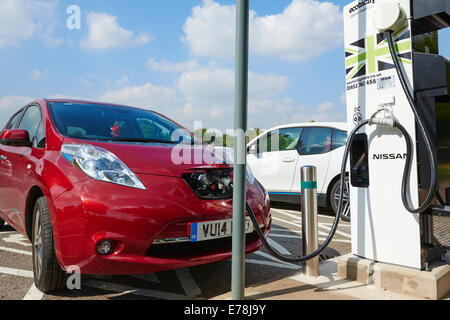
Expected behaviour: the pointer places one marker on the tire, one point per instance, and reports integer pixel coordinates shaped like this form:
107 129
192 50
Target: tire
2 224
334 198
48 275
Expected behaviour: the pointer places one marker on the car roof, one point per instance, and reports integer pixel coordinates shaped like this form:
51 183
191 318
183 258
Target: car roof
335 125
93 103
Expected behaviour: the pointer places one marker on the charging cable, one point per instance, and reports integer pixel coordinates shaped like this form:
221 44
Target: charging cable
431 154
325 244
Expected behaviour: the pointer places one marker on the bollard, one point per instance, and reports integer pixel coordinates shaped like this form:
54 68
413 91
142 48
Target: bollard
309 219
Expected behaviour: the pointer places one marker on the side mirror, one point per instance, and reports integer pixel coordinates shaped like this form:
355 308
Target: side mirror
15 138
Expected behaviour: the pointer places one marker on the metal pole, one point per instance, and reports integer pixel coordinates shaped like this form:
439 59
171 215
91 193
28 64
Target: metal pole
310 219
240 150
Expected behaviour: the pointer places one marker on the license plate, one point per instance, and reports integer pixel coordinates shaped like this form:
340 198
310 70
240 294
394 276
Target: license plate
210 230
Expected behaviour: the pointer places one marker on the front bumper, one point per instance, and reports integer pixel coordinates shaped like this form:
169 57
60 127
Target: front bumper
137 220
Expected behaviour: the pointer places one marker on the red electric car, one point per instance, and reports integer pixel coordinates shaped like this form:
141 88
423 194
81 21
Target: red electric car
115 190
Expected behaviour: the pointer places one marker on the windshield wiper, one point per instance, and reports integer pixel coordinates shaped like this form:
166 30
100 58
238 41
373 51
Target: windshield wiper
141 140
138 140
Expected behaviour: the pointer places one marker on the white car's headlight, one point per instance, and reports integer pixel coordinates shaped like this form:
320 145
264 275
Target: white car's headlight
100 164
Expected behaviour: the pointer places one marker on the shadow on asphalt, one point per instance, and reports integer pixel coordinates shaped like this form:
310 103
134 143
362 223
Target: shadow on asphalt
7 228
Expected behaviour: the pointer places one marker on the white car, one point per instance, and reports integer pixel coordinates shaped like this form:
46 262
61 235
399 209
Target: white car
276 157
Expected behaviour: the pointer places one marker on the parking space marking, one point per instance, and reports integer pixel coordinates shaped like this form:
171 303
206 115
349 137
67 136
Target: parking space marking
342 233
298 237
273 264
33 294
286 230
287 236
286 221
188 283
136 291
341 224
28 253
277 246
296 217
270 257
6 232
16 272
17 239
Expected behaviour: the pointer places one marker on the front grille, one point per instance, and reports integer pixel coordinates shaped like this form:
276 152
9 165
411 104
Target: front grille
189 250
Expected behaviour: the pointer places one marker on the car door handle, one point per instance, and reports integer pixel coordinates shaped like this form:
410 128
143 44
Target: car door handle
288 160
3 157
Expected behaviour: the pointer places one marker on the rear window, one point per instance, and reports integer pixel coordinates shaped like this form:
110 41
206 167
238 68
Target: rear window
339 138
315 141
106 122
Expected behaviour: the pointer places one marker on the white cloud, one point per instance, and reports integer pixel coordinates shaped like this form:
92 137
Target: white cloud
344 98
305 29
166 66
65 96
23 19
209 95
210 30
216 85
38 75
324 107
322 113
105 32
148 96
9 105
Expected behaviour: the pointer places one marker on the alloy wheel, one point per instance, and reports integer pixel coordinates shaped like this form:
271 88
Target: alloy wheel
37 244
345 213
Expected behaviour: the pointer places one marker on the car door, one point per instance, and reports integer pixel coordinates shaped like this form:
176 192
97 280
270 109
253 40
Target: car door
14 193
314 149
6 170
273 159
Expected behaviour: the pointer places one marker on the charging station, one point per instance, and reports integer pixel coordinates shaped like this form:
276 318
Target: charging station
398 149
383 229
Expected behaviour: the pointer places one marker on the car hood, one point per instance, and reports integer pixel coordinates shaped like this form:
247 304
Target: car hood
162 159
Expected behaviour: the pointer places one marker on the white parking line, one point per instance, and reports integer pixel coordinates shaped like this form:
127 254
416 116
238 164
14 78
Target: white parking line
136 291
286 221
320 224
273 264
278 246
281 230
296 217
270 257
298 237
188 283
33 294
342 233
288 236
18 239
16 251
341 224
17 272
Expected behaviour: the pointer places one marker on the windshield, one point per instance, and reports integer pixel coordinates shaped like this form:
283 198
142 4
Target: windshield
113 123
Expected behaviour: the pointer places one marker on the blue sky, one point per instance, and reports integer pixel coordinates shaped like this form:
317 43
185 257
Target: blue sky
176 57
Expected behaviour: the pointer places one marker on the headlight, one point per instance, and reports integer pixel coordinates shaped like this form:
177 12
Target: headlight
100 164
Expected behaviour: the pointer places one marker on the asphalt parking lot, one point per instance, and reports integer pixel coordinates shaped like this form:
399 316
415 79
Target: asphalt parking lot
203 282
